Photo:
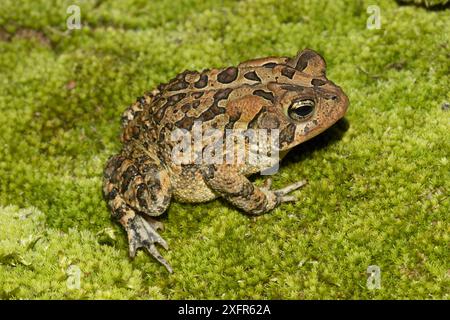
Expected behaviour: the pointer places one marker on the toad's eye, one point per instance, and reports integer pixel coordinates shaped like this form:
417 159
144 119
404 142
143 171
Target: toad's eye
301 109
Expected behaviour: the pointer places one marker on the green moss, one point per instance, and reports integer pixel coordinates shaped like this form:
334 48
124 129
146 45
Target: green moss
378 184
41 262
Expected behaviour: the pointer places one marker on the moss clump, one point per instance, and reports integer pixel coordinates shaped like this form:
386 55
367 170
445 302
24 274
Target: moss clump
41 262
378 185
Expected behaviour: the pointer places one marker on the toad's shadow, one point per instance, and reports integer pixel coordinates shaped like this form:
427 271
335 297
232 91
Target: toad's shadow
326 138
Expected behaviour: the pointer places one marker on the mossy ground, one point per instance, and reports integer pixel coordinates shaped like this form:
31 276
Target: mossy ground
378 184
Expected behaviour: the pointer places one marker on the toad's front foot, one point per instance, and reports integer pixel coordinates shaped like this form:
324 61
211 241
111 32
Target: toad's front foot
282 194
142 234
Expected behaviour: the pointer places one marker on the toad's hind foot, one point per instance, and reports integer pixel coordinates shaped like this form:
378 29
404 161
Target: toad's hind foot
137 189
142 234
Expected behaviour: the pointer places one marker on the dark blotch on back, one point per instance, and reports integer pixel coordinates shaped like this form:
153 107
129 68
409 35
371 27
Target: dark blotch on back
215 109
182 76
288 72
302 62
186 107
210 113
269 65
178 85
185 123
197 95
202 82
317 82
228 75
252 76
221 94
171 101
265 94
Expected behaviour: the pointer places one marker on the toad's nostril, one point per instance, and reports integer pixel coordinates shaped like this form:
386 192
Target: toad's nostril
334 98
